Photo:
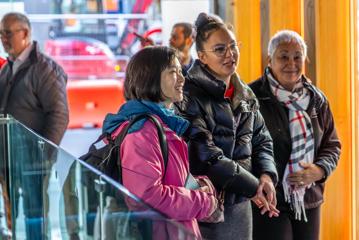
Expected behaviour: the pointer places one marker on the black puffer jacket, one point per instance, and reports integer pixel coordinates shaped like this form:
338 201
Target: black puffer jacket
227 140
327 145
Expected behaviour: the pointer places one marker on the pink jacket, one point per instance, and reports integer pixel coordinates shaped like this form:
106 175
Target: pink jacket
142 174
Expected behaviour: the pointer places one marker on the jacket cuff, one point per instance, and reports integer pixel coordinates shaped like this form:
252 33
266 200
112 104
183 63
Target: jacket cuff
273 176
326 171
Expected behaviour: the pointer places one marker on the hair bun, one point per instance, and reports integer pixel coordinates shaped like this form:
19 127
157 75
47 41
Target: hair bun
203 19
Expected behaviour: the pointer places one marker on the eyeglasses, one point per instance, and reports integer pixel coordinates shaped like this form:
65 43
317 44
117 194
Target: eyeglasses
220 50
8 33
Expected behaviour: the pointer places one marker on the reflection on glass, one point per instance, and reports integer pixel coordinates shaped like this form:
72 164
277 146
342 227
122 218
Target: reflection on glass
56 196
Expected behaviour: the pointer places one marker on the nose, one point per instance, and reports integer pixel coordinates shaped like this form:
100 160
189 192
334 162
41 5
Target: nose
291 61
180 77
229 52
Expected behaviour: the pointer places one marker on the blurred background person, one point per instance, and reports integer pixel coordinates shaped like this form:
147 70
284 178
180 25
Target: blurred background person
306 145
33 91
182 40
33 85
227 140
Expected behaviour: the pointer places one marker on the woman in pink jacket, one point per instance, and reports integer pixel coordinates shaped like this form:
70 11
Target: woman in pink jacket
153 82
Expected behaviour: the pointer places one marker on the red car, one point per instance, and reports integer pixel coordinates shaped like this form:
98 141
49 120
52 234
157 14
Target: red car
94 88
83 57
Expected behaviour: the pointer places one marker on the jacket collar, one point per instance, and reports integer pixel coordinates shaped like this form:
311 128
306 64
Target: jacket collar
243 96
199 75
33 56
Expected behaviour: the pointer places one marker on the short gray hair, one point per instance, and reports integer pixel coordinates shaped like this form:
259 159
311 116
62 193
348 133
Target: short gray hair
18 17
286 36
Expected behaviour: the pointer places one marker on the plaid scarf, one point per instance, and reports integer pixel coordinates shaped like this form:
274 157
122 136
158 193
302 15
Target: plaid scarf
302 138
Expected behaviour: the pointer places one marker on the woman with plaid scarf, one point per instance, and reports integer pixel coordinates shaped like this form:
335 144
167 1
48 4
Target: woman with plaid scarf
306 146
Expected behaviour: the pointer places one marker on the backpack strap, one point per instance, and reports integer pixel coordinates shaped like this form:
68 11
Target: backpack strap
161 136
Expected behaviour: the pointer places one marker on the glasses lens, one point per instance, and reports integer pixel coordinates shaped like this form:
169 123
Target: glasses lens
233 46
5 34
219 50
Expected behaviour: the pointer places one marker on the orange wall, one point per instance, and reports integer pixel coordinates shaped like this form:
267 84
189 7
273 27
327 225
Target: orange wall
335 48
336 76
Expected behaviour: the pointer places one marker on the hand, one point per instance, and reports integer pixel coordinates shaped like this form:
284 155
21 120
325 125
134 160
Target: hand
262 203
206 185
267 188
310 173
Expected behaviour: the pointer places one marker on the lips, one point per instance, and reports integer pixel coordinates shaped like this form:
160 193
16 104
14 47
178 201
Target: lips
229 64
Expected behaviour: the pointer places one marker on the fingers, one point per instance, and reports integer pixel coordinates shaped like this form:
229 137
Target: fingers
205 189
264 202
304 164
298 179
274 200
274 212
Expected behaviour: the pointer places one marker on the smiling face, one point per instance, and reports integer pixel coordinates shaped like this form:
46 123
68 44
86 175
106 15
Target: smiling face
222 63
172 82
287 64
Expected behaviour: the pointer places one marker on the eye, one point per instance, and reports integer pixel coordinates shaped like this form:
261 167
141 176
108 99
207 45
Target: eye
284 57
298 58
219 49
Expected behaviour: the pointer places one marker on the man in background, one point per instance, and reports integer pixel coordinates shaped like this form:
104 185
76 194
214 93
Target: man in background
33 86
182 40
33 91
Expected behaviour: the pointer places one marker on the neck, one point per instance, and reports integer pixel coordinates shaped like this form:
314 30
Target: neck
186 58
16 55
168 105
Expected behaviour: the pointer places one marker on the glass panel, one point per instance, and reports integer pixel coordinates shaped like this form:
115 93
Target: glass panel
53 195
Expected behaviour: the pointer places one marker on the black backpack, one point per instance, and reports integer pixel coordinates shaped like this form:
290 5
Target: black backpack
106 157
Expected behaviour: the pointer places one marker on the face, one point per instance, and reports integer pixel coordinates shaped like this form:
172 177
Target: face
220 53
172 82
287 64
177 40
14 36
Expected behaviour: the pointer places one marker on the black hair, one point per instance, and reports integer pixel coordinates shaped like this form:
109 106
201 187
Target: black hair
206 24
143 73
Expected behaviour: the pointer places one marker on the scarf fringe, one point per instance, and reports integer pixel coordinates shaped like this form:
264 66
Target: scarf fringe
295 198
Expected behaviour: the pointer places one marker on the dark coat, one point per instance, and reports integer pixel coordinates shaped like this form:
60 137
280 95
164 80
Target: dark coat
327 145
38 96
227 140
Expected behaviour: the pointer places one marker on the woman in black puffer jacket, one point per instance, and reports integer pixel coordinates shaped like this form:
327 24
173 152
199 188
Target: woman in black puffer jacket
228 140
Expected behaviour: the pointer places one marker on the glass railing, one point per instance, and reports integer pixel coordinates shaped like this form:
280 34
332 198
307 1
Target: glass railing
49 194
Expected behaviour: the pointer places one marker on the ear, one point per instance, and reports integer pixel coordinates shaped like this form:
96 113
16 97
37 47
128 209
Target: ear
202 57
269 60
189 41
26 33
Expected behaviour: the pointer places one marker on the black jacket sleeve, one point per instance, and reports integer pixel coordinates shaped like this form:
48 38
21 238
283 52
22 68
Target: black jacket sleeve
206 156
262 149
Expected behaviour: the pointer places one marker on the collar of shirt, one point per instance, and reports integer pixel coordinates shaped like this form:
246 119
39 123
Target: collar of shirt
229 92
21 58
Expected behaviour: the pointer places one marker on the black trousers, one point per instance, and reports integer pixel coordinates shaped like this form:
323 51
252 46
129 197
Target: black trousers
285 227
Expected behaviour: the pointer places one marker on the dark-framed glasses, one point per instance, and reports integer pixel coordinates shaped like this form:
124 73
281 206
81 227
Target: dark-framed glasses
220 50
9 33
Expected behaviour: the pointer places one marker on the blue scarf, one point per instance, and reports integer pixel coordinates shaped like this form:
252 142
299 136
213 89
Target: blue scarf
135 107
